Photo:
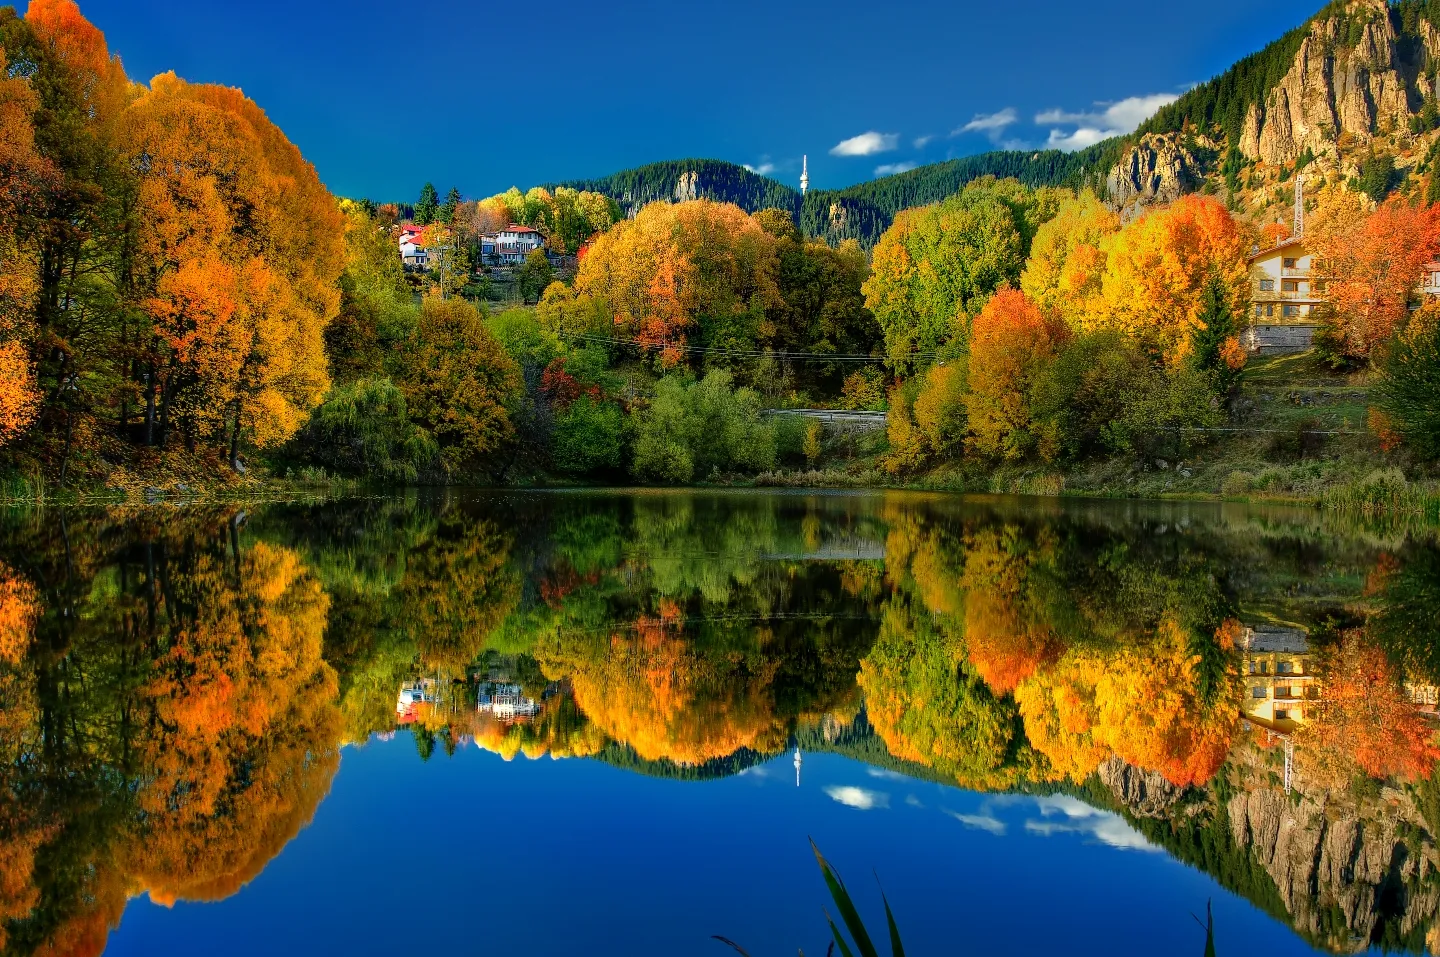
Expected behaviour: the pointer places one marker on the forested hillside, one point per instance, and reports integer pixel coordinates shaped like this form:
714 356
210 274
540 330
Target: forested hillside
1370 66
863 211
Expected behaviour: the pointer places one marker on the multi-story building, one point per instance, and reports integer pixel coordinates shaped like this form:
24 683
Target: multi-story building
510 246
1280 686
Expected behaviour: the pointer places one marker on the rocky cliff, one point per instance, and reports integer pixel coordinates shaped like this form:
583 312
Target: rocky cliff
1355 863
1354 76
1158 169
1349 870
1359 78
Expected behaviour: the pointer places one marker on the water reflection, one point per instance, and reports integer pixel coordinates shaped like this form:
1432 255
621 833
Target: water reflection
1252 691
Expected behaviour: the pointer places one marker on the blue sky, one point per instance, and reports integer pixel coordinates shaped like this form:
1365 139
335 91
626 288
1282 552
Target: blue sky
384 95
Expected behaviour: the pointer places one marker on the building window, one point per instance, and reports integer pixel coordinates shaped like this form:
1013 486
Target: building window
1291 312
1289 285
1290 263
1283 668
1259 310
1267 285
1270 310
1281 714
1257 692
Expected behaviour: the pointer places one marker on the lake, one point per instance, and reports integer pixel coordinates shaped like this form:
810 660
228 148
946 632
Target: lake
611 723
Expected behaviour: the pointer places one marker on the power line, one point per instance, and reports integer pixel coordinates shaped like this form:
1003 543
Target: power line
735 353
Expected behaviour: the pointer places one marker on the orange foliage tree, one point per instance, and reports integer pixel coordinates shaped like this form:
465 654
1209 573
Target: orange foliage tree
245 726
1010 343
1365 720
658 692
1007 640
1157 269
1372 265
245 249
673 263
1142 703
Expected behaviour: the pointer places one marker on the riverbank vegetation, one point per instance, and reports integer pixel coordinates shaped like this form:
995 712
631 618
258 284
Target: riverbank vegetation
185 305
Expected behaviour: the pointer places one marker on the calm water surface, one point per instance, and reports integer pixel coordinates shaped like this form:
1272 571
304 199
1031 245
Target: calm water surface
607 724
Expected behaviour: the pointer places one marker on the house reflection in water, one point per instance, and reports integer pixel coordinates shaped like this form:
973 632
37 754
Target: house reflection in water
1282 687
412 695
506 702
1280 680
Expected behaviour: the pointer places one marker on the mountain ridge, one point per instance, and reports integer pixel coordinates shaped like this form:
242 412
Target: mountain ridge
1357 79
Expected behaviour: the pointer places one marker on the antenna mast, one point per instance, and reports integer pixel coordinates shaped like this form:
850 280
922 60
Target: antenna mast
804 174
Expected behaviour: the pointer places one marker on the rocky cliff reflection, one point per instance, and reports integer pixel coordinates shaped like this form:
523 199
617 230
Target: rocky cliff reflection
1255 691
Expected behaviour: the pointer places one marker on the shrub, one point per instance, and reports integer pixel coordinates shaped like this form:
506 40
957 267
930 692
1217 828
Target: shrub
696 428
1410 387
589 437
363 430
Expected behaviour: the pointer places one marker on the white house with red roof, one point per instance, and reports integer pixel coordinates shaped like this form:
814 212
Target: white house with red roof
412 247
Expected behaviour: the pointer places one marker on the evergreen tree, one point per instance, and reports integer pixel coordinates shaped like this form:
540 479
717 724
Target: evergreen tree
428 205
1219 329
452 203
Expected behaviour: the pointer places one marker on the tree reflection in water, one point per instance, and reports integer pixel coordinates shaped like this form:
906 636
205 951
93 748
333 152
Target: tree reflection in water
175 690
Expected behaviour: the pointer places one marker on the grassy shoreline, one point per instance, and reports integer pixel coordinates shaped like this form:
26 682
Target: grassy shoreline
1298 437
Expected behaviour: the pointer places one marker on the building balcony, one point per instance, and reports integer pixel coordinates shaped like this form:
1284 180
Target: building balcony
1293 273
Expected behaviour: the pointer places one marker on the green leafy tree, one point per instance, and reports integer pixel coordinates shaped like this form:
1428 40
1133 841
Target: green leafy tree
363 430
937 265
694 428
535 275
1410 387
589 437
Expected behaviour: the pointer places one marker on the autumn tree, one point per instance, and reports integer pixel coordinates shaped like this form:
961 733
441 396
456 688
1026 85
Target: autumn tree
458 382
935 266
1157 270
678 270
1067 259
237 303
1364 719
1010 343
1371 265
63 93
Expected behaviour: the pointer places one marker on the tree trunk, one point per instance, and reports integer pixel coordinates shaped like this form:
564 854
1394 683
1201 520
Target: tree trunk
235 439
150 407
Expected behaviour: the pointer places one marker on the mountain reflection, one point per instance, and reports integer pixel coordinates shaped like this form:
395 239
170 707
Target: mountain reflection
1254 691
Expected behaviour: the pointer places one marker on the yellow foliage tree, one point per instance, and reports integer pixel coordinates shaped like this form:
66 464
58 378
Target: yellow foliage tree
1157 268
1067 258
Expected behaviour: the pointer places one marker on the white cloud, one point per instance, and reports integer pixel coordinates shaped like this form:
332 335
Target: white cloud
913 801
923 141
1080 818
761 169
886 775
867 144
1103 122
755 771
860 799
981 822
890 169
989 123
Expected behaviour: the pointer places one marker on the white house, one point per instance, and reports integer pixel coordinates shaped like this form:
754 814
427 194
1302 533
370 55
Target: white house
510 246
413 254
